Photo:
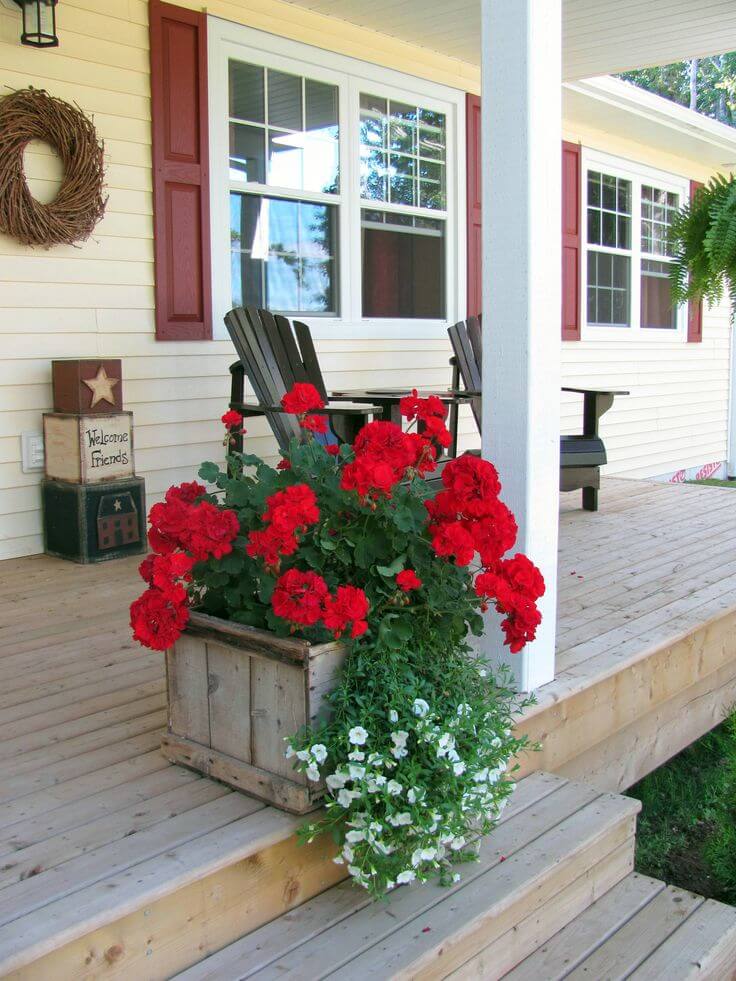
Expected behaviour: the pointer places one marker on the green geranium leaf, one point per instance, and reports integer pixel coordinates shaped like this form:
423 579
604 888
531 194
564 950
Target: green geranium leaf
389 571
209 472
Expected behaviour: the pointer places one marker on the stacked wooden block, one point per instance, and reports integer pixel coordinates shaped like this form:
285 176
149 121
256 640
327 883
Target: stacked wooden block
93 503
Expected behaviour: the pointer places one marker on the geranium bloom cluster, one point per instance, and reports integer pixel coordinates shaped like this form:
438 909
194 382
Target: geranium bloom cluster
430 413
184 530
304 599
399 831
288 513
468 518
301 400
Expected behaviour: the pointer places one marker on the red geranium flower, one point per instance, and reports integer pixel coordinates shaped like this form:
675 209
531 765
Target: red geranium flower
315 424
283 464
408 580
299 597
158 618
451 539
333 449
302 398
212 531
473 484
170 521
292 508
348 606
231 419
187 492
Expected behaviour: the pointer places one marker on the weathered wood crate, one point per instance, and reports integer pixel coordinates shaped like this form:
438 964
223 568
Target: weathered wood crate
234 694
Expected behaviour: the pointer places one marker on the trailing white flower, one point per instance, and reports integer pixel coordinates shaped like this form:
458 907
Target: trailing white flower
289 752
393 715
356 772
355 836
464 709
420 707
458 768
337 780
313 773
319 752
356 756
358 736
405 877
346 797
399 820
394 788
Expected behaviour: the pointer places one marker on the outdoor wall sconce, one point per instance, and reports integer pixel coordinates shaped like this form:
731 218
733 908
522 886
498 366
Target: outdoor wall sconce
39 23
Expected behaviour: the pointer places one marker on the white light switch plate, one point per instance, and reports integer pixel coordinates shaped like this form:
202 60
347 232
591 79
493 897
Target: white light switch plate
32 454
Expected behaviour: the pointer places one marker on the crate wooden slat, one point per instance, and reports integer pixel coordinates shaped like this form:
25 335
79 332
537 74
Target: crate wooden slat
235 695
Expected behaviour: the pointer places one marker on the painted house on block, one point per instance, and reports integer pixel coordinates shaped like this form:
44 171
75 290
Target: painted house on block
271 154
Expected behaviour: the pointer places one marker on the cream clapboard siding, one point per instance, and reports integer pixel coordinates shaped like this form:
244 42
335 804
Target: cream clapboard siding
676 416
97 300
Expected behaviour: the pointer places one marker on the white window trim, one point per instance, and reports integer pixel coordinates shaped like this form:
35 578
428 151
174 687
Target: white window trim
638 174
226 40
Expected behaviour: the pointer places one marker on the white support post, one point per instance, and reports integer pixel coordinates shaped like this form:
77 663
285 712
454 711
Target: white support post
521 153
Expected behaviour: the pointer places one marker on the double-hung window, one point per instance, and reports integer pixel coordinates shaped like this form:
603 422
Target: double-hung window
334 188
628 212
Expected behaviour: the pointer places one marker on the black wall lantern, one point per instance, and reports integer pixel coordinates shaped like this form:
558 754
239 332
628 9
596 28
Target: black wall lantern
39 23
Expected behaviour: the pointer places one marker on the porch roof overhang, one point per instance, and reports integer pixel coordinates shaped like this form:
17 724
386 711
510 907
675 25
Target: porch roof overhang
598 37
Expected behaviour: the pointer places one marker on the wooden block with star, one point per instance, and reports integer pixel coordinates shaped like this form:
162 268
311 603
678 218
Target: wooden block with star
88 449
89 385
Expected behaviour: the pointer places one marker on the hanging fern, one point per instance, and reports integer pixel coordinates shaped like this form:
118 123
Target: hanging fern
703 239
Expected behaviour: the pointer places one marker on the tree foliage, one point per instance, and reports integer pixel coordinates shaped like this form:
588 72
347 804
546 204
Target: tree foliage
712 90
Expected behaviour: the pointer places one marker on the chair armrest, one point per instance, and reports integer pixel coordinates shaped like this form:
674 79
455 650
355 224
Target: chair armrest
594 391
329 410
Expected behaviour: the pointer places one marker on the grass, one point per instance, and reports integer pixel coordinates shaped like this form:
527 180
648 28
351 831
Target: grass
713 482
687 827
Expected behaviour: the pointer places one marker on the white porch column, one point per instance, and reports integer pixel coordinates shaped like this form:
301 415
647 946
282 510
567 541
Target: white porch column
521 151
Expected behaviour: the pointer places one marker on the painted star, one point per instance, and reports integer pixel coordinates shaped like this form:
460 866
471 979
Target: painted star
118 505
101 387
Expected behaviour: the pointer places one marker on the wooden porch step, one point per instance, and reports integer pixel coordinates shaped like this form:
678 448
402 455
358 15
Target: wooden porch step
642 930
560 846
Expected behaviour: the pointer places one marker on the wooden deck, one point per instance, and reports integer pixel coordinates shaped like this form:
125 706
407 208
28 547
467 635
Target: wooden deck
92 817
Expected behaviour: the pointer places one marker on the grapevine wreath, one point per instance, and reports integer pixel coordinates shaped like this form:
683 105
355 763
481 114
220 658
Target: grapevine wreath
32 114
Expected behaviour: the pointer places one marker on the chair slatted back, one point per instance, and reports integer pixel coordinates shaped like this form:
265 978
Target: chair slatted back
466 339
274 359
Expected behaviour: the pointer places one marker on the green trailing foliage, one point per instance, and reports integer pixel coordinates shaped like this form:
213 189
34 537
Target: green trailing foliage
703 239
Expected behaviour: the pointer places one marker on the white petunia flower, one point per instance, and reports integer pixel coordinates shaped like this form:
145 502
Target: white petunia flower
289 752
420 707
303 755
457 843
355 872
496 742
398 820
348 853
346 797
375 759
399 752
416 857
400 737
394 788
337 780
393 716
358 736
464 709
408 875
428 854
355 836
319 752
481 776
338 860
482 672
357 756
356 772
458 768
456 877
411 795
313 773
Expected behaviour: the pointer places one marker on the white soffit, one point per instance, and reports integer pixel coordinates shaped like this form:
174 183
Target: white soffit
600 37
613 106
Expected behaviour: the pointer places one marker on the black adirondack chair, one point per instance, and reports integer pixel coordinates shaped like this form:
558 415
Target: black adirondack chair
275 354
581 456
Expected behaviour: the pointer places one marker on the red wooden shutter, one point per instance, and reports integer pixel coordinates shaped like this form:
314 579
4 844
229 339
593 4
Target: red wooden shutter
571 219
475 270
571 250
181 207
694 308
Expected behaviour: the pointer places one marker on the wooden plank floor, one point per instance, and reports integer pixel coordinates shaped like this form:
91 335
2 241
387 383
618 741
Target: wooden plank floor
85 794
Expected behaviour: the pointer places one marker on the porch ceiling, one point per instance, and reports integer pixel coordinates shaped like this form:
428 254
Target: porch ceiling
599 37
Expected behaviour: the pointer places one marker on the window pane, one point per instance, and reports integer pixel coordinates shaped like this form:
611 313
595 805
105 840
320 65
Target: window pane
285 159
403 266
416 167
321 109
284 254
657 309
246 153
608 291
658 208
609 211
284 100
246 91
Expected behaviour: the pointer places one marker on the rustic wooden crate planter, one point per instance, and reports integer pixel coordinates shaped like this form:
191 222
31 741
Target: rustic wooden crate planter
234 693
